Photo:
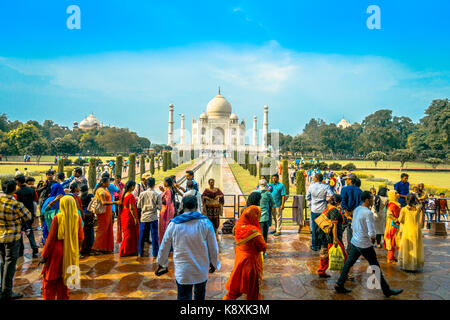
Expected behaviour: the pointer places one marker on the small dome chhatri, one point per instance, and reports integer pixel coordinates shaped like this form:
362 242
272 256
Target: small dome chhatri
90 122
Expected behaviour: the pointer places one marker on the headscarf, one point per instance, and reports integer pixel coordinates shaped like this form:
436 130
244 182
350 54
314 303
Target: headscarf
188 216
247 226
392 199
68 225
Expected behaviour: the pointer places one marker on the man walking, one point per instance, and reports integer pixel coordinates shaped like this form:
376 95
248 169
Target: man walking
402 187
364 237
267 206
149 203
12 213
27 196
317 195
351 199
279 197
190 186
195 251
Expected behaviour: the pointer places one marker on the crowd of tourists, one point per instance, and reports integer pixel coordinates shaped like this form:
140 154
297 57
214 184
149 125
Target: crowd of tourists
180 219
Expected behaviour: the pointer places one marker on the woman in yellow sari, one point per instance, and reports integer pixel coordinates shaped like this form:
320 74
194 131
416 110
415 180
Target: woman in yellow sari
392 231
411 255
61 252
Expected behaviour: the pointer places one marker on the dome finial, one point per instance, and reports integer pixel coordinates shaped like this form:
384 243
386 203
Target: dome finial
219 89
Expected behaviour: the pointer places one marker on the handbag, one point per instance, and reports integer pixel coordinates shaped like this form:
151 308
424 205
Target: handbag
96 206
324 223
336 258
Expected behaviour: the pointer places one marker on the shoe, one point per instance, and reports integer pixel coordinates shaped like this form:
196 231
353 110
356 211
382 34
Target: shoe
35 253
393 292
341 289
276 234
324 275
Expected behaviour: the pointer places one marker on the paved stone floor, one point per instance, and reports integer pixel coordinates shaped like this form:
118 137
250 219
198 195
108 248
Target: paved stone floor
289 273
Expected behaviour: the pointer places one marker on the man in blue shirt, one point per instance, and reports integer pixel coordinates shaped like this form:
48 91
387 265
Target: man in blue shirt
317 195
189 177
402 187
279 197
351 199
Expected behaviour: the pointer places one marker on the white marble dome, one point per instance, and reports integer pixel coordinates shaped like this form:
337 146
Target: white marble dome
90 122
344 124
218 107
234 116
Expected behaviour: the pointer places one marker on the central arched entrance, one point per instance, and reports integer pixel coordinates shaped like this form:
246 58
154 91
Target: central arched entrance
218 136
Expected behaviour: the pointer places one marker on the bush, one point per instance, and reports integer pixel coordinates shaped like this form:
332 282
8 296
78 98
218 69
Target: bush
142 165
92 174
285 176
307 166
60 165
335 166
119 165
67 162
80 162
322 166
349 167
132 169
152 164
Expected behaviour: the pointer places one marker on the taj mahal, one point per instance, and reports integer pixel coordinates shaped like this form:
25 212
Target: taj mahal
218 129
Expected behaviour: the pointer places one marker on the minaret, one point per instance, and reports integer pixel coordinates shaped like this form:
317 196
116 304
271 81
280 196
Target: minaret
255 132
182 130
170 133
265 126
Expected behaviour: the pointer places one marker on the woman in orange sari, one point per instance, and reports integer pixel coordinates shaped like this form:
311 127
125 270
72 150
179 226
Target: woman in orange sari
104 237
392 231
129 222
248 266
62 251
168 209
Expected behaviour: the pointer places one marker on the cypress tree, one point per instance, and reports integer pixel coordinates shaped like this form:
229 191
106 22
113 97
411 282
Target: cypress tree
92 173
192 154
285 176
132 169
119 165
142 165
246 160
165 162
169 160
152 164
60 165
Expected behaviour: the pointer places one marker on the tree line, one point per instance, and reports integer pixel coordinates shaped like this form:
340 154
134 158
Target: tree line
380 135
49 138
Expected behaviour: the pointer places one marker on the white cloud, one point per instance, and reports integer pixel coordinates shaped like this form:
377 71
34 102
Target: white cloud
296 86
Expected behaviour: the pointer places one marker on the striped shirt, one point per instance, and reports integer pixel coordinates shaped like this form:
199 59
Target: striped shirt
12 213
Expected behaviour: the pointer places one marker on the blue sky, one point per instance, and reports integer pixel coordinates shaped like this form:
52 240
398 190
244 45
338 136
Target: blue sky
303 58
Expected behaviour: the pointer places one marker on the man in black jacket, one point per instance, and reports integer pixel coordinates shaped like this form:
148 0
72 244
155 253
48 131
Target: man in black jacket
26 195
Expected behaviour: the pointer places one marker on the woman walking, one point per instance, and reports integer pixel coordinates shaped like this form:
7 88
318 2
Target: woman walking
246 276
62 251
392 231
379 213
411 254
334 237
213 202
104 237
129 222
168 210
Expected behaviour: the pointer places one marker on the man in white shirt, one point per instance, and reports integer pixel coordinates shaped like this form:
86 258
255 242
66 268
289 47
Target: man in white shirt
149 203
364 236
192 192
195 251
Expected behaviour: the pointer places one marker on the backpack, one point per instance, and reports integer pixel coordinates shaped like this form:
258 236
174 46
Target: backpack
96 206
228 226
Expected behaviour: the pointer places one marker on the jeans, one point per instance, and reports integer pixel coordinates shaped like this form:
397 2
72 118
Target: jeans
348 228
264 229
370 255
145 229
9 253
314 243
89 237
185 291
30 236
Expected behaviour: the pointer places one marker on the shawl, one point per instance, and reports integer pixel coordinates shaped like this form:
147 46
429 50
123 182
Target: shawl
248 226
208 193
188 216
68 225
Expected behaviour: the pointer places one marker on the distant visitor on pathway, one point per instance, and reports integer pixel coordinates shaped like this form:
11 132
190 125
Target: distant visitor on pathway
402 187
279 196
213 201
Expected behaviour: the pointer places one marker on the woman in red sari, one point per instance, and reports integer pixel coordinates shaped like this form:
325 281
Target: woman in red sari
129 222
104 237
248 265
62 251
213 202
392 230
168 210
